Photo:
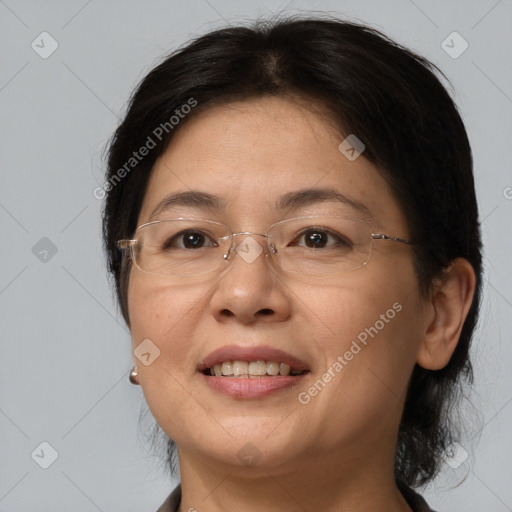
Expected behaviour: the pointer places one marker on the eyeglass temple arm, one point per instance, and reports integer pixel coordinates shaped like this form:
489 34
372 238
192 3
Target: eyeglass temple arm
381 236
124 244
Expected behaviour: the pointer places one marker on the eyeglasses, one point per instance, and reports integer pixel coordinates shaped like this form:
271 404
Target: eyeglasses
314 245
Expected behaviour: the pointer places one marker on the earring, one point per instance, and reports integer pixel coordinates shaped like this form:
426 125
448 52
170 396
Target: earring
133 376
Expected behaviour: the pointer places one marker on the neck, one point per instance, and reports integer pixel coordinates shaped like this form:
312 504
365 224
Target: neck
329 483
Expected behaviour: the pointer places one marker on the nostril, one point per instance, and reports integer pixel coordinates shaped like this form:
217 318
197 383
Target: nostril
266 311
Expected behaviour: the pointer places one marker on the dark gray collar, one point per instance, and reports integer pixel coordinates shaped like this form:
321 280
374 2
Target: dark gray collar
414 500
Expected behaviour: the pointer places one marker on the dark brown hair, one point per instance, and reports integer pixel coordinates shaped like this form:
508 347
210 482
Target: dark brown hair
387 95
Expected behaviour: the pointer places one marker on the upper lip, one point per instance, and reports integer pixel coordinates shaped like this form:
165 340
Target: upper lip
257 353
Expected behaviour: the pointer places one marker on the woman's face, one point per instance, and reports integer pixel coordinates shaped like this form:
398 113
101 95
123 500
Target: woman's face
357 333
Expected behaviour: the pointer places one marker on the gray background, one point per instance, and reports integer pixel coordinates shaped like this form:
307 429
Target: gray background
65 351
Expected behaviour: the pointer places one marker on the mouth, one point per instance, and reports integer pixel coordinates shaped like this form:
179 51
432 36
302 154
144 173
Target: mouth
245 373
235 361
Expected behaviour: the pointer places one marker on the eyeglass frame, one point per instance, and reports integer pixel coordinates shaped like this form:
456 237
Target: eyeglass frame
129 243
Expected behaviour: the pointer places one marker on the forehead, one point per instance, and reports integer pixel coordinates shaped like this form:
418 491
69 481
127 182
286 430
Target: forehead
251 155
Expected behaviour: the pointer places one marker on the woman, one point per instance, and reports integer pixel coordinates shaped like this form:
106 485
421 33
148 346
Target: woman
292 230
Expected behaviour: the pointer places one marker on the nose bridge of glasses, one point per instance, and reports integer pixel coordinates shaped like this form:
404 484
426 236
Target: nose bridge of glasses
247 247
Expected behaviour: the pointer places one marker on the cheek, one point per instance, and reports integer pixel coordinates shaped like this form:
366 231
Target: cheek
368 336
349 309
163 313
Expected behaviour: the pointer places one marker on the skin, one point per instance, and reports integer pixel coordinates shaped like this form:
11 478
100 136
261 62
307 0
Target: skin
337 452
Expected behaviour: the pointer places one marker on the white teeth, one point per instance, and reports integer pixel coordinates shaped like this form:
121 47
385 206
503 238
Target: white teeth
227 368
284 369
240 368
272 368
258 368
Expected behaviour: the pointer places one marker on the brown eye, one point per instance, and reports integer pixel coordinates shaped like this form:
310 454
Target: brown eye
188 240
316 238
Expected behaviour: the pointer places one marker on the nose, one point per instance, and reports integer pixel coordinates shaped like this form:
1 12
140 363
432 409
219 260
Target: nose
250 290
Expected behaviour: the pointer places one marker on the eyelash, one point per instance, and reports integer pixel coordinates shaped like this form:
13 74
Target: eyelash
168 243
339 238
317 230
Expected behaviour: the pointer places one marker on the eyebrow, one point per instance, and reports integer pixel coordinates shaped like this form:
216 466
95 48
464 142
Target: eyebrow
308 196
190 198
290 201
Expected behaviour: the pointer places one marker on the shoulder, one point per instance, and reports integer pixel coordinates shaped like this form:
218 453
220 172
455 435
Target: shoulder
172 503
414 500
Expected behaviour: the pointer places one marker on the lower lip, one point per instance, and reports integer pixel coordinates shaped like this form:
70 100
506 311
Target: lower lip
247 387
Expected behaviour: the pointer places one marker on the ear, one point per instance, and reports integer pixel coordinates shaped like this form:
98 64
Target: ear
450 302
